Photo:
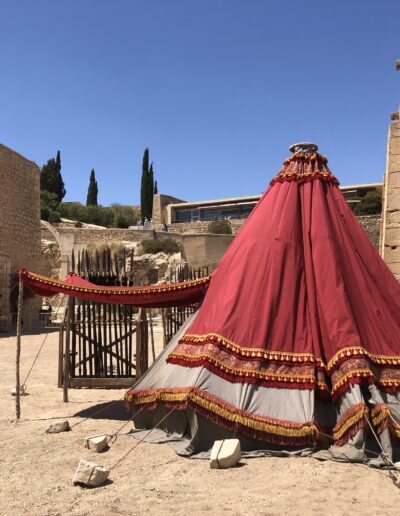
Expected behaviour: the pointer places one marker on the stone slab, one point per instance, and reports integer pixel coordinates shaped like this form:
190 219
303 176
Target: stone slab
96 443
90 474
225 454
58 426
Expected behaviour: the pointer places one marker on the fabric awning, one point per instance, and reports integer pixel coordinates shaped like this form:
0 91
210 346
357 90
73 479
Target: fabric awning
156 296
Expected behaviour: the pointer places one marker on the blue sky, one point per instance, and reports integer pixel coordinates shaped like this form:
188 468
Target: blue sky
217 89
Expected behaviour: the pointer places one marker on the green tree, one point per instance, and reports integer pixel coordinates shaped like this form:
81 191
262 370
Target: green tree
146 189
93 190
155 191
150 190
370 204
51 178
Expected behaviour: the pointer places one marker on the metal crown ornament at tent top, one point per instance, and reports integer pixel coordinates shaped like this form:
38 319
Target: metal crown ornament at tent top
304 147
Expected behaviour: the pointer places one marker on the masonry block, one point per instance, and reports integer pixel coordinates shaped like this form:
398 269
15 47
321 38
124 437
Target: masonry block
58 426
96 443
90 474
225 454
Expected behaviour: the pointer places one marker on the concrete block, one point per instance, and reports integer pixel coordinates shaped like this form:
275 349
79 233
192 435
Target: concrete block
225 454
96 443
58 426
90 474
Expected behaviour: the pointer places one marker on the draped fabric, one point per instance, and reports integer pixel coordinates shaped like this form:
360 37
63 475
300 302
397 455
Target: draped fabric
163 295
301 316
301 298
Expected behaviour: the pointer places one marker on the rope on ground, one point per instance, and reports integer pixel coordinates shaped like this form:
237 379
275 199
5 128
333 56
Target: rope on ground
381 454
141 440
384 455
102 409
113 437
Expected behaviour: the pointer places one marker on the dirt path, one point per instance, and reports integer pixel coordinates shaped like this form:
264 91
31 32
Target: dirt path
37 469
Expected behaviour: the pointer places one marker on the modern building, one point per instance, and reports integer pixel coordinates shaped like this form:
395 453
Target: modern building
173 211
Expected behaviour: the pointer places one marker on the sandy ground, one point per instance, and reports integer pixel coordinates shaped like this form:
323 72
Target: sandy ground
37 468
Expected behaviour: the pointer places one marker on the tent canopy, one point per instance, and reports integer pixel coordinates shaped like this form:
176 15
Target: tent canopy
156 296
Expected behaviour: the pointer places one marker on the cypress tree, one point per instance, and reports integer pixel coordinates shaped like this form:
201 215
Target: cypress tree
155 188
147 187
144 186
51 179
93 190
150 190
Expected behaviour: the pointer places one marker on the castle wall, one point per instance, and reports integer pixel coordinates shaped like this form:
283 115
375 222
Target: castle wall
390 233
20 244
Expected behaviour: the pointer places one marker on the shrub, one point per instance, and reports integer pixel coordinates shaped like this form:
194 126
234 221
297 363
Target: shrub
54 217
116 216
121 222
168 246
124 216
370 204
220 227
44 212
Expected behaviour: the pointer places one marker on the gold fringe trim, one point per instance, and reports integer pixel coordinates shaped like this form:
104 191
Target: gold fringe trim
252 352
168 287
248 373
360 351
287 356
268 425
341 428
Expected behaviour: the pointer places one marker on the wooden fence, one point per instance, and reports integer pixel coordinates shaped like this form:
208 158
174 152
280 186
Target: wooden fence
108 345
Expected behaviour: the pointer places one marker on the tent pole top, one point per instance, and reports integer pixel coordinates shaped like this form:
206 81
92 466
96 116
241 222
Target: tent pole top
305 147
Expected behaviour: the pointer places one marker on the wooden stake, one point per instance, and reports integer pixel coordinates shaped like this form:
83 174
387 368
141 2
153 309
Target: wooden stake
66 354
153 349
18 353
139 344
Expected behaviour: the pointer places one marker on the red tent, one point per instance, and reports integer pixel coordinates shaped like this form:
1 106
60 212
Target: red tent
300 314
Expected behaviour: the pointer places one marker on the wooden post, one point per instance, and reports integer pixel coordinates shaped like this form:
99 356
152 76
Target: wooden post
18 353
164 324
139 343
60 354
153 349
142 337
66 353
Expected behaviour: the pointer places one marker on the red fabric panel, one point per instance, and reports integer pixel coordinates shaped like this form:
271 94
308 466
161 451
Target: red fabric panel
157 296
300 277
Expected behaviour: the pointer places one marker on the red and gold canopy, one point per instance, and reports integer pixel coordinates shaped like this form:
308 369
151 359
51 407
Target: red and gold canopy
162 295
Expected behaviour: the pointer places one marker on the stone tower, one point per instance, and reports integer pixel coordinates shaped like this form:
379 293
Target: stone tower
390 233
20 244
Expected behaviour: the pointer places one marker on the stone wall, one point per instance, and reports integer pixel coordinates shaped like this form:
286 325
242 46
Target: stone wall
201 227
371 224
390 237
20 244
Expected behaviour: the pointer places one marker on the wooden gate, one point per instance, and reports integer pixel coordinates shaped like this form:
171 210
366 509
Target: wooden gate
107 345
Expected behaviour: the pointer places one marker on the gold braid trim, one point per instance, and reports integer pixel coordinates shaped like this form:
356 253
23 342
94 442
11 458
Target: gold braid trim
228 412
360 351
149 289
379 414
350 418
252 352
382 418
248 373
357 373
